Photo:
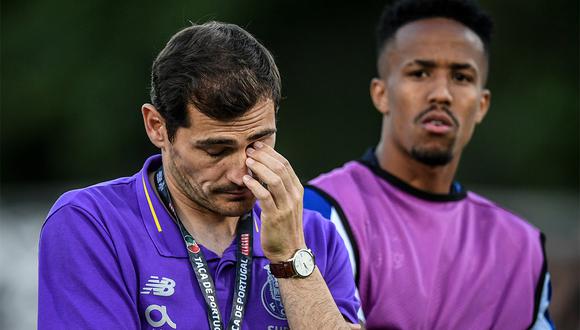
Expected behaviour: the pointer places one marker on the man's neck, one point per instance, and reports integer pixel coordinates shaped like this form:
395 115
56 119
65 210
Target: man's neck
431 179
213 231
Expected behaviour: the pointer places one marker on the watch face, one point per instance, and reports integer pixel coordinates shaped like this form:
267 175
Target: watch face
303 263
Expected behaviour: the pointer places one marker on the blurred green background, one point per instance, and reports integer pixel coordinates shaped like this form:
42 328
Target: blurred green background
74 75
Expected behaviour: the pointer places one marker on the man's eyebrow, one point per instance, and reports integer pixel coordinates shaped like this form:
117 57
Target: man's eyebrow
231 142
215 141
462 66
261 134
432 64
424 63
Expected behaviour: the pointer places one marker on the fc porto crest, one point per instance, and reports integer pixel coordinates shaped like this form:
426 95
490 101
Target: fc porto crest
271 299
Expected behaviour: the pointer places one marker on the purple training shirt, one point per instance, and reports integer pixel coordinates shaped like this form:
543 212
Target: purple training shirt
111 257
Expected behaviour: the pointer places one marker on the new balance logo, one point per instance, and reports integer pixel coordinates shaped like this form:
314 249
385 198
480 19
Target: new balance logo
159 287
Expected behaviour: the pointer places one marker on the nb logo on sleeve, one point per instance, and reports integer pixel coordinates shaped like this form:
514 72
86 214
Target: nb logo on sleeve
159 287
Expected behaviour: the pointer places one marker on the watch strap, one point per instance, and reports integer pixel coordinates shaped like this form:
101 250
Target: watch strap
282 269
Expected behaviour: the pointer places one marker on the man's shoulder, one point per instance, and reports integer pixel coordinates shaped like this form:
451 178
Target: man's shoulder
319 192
339 175
314 222
488 210
318 230
318 200
99 196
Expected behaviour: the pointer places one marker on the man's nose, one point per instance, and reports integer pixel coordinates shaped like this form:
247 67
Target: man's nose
440 92
237 168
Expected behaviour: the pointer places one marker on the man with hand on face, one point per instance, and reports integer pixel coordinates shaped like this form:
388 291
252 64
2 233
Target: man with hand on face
428 254
183 244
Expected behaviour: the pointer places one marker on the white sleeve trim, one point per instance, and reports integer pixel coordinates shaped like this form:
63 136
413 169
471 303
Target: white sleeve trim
335 218
337 221
542 322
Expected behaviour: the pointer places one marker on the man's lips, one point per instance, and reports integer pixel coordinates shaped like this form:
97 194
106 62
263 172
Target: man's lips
237 193
437 122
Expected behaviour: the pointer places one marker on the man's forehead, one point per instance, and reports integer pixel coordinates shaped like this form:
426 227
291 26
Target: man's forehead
257 121
431 37
436 29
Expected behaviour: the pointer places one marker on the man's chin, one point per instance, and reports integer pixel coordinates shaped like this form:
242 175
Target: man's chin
432 157
235 208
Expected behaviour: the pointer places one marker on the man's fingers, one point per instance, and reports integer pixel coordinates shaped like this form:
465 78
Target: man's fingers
275 183
354 326
269 160
274 165
261 193
279 165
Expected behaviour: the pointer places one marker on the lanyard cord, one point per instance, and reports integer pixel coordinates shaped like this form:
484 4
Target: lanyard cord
199 265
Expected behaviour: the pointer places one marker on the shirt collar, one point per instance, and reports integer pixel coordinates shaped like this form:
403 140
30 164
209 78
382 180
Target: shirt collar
456 191
159 224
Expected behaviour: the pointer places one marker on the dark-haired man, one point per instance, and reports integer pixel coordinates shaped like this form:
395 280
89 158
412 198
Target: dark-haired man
182 244
427 253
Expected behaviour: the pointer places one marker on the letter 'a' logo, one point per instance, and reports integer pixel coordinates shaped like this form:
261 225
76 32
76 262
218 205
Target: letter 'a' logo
159 313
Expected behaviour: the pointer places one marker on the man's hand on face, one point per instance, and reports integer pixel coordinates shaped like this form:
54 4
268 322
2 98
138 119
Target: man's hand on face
280 199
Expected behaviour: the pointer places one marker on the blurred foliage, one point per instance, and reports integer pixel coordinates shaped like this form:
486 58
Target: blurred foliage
75 73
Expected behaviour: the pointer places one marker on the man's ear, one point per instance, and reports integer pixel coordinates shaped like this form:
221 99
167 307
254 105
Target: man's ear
378 92
484 103
154 125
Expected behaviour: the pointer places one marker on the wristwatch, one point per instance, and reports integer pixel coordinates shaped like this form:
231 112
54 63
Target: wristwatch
301 265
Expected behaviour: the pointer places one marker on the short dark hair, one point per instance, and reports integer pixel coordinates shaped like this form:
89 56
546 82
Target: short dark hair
401 12
219 68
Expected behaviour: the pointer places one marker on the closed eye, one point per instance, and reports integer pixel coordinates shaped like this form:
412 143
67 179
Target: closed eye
216 153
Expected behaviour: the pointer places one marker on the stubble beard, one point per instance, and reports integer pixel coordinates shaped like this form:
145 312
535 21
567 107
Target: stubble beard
205 201
433 157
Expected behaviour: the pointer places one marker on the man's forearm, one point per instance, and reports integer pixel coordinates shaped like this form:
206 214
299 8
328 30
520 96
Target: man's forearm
307 301
309 304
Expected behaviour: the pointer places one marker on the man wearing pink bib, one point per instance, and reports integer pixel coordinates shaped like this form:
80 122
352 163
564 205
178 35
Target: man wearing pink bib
426 253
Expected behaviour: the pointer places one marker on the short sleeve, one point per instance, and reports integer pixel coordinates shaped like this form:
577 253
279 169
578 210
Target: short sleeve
313 200
339 277
80 282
